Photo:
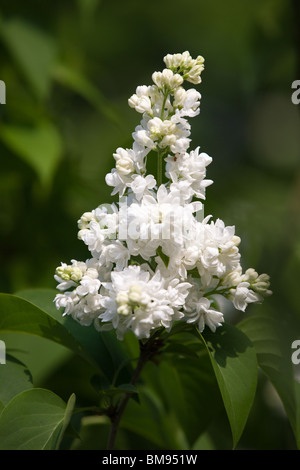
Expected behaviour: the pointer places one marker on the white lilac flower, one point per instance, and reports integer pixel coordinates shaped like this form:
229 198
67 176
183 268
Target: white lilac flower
69 275
162 130
141 100
118 181
141 185
219 250
163 133
241 296
188 171
85 219
259 283
141 301
167 80
150 101
187 258
187 101
198 310
161 218
248 288
114 252
107 216
128 161
84 302
176 61
142 136
67 301
183 63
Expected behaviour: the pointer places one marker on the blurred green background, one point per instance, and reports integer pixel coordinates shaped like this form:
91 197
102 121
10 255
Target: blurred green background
69 69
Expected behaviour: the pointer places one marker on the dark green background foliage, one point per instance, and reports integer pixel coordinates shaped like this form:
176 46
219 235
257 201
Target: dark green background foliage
69 69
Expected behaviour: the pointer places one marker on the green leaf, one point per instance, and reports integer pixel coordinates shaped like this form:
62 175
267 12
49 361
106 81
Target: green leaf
102 386
127 388
34 420
93 433
204 442
103 348
33 50
39 145
20 315
186 393
70 408
180 350
148 419
235 365
14 378
274 359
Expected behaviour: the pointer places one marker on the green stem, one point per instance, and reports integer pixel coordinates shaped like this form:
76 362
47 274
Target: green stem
218 291
163 106
159 167
159 151
147 352
115 420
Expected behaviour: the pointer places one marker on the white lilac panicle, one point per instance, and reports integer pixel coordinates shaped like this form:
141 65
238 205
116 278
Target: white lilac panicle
155 260
141 300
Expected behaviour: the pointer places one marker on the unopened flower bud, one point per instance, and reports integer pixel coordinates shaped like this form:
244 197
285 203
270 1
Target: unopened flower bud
167 79
85 219
135 293
122 298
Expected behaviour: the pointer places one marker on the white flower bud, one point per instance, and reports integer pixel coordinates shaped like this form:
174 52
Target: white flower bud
125 166
85 219
179 97
124 310
140 101
167 141
250 275
124 162
173 60
232 279
92 273
69 273
167 79
76 274
135 293
122 298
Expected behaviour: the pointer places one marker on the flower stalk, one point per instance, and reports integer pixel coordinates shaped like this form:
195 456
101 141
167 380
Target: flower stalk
148 350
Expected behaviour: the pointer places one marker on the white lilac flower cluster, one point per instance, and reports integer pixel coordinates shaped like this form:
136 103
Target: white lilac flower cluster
154 259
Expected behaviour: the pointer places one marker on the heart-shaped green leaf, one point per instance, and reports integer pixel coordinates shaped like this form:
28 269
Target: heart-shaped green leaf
14 378
35 419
